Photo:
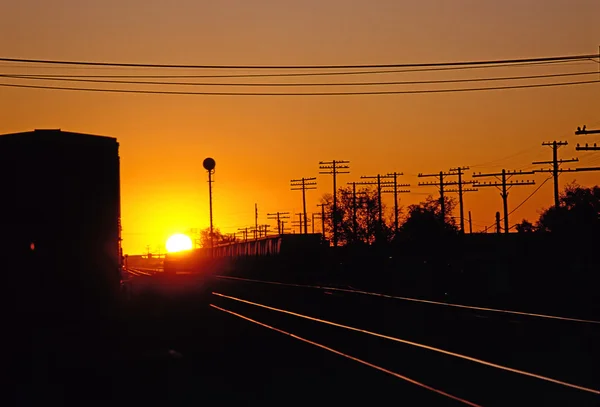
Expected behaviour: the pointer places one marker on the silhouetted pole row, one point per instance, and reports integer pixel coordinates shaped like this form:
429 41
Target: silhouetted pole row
278 216
333 168
583 131
300 223
394 184
303 184
245 231
504 185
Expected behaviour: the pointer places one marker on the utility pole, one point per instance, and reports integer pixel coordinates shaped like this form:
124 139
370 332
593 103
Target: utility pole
394 184
299 222
442 184
278 216
333 168
255 219
303 184
460 171
504 185
355 209
498 230
245 231
556 170
313 220
322 219
470 224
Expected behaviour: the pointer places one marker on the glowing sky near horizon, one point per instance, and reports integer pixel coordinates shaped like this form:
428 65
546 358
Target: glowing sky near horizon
260 143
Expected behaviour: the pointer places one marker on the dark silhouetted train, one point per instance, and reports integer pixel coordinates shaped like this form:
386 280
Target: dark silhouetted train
60 221
288 252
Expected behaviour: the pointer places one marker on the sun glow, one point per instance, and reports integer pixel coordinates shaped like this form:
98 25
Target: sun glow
178 243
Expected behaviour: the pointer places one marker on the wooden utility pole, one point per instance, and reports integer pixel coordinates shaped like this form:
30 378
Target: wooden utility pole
470 224
303 184
278 216
460 171
334 168
355 208
322 219
394 184
556 170
504 185
442 184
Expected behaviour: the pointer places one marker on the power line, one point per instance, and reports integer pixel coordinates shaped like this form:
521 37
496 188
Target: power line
68 78
300 74
353 66
399 92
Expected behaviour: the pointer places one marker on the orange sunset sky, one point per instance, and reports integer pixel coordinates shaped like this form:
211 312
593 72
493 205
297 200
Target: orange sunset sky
261 142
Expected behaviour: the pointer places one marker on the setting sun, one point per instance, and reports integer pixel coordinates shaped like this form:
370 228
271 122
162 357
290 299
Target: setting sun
178 243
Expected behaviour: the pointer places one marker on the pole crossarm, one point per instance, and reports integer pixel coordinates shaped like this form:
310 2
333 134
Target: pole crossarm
504 185
587 147
582 131
334 168
303 184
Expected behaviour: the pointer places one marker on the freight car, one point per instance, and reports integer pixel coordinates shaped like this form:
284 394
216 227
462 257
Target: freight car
60 221
284 253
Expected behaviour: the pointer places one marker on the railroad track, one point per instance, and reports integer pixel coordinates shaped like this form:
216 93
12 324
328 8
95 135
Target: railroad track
466 355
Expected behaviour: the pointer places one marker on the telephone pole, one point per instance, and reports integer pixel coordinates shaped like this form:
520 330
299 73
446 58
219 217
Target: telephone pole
460 171
303 184
322 219
355 209
504 185
313 220
441 183
334 168
299 222
556 170
278 216
394 184
255 220
378 177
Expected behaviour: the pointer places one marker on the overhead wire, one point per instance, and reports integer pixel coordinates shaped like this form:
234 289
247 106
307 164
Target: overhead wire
340 66
299 74
270 84
525 200
359 93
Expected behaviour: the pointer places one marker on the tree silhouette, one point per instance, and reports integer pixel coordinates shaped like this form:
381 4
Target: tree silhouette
366 229
218 237
525 227
578 212
425 221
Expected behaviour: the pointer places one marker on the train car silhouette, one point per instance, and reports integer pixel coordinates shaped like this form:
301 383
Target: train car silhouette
293 252
60 221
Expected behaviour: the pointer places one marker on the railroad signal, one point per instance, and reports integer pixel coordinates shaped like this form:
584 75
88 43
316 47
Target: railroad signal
209 165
